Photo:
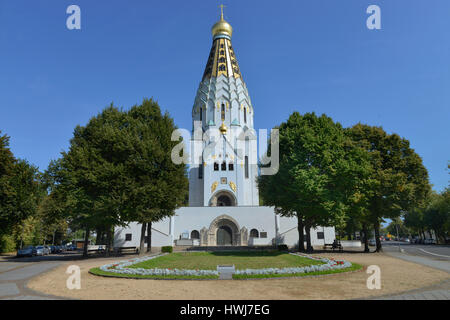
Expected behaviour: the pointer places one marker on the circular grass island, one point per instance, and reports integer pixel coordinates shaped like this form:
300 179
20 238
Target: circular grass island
203 265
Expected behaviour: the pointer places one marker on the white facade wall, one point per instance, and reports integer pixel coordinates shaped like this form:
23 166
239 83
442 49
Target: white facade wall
280 230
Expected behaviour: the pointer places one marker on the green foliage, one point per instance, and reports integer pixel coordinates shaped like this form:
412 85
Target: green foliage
321 175
168 249
7 243
118 169
20 189
398 180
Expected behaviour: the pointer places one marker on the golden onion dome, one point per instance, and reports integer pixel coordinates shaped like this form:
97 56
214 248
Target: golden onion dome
222 27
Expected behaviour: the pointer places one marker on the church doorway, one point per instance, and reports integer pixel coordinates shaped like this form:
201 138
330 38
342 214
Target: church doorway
224 236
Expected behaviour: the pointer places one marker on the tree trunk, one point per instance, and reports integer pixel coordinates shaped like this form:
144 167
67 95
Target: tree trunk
376 227
301 238
366 238
309 248
86 242
142 242
98 239
149 237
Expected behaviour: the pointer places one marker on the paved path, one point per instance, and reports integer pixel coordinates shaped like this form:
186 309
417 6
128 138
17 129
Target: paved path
437 257
15 273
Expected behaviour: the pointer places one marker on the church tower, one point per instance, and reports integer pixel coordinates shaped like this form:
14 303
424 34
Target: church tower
224 172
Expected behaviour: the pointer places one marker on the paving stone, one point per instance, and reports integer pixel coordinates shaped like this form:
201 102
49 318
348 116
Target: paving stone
8 289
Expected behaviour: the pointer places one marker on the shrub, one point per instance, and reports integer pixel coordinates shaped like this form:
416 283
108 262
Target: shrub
283 247
7 244
168 249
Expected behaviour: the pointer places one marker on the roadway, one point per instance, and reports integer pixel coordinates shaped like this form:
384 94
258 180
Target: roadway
16 272
434 256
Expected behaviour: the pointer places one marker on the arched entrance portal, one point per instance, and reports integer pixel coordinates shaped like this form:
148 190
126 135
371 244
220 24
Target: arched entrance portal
224 236
224 231
223 199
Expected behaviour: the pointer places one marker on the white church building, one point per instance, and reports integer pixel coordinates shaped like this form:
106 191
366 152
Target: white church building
223 193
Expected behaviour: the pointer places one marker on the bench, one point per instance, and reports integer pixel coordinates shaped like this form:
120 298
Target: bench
119 250
333 246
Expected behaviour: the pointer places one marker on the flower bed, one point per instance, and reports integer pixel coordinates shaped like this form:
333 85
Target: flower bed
329 264
123 268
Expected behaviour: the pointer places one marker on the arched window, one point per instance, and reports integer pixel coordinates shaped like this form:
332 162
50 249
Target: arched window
216 166
222 67
254 233
195 234
245 115
223 112
224 166
231 166
201 114
222 59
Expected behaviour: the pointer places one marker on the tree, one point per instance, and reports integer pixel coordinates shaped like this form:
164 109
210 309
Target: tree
118 169
20 189
89 178
158 186
400 179
437 215
318 175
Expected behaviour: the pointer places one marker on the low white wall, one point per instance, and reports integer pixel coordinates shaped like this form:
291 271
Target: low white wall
160 234
351 243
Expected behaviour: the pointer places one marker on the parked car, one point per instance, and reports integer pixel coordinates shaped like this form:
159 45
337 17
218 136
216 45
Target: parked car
372 242
429 241
52 249
47 249
28 251
41 251
59 249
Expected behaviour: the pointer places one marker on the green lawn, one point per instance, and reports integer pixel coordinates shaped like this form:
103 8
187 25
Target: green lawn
241 260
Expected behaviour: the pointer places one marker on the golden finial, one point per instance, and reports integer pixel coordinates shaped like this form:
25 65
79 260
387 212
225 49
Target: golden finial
221 11
223 128
222 27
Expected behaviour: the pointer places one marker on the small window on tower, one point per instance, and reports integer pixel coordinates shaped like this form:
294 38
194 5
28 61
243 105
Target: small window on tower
230 167
224 166
223 112
216 166
201 114
245 115
246 167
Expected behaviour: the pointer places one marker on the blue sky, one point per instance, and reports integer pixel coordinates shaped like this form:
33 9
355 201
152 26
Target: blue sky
294 55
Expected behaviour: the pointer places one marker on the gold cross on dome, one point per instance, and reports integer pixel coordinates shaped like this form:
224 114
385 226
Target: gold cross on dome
221 10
